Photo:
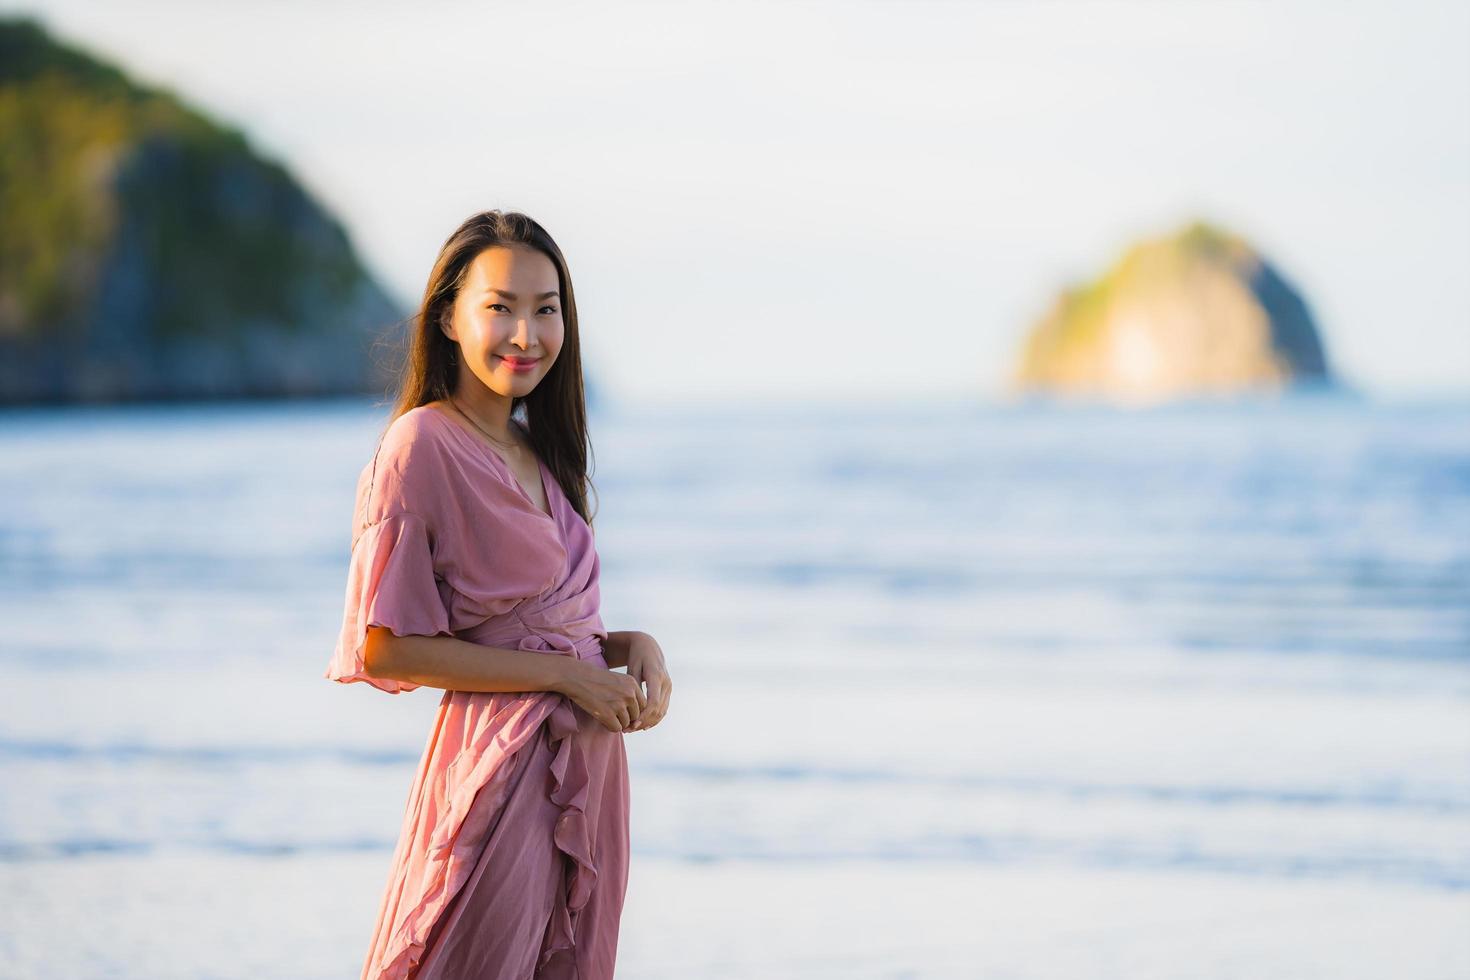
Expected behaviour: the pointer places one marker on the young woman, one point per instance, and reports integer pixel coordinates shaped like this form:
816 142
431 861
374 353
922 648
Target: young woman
474 570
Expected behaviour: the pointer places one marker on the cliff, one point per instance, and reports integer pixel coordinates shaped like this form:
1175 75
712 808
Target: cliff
149 253
1197 312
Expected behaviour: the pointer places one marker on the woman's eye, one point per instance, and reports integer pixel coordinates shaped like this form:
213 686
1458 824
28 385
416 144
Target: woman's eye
501 306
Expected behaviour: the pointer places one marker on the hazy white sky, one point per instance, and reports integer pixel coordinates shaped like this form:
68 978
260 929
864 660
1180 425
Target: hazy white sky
861 199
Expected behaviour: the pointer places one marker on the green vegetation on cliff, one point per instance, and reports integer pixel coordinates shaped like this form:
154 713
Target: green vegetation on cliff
134 224
1195 312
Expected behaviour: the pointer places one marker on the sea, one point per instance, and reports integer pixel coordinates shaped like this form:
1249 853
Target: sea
962 688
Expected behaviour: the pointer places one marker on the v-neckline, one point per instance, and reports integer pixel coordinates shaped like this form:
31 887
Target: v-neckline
505 468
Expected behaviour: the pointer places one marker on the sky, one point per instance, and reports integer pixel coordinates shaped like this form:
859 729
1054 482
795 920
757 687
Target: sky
861 200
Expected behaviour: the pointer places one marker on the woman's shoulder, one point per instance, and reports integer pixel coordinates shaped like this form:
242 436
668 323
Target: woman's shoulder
418 430
410 468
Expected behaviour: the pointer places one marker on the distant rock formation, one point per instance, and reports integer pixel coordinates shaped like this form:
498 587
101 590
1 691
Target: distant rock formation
147 252
1195 313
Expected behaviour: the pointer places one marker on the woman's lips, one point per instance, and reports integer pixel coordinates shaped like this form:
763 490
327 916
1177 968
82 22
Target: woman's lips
519 364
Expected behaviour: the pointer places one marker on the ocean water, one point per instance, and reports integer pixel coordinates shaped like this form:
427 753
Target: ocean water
962 690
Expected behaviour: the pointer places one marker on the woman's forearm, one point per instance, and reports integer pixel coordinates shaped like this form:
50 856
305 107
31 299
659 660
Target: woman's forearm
459 665
615 650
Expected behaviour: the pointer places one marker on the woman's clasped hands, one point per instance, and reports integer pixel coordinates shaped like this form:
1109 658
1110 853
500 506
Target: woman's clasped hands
646 666
631 702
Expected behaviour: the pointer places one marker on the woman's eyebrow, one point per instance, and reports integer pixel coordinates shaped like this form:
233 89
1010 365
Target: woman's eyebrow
513 296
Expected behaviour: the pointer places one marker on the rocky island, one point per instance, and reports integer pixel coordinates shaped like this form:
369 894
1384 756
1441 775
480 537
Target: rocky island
1195 313
147 252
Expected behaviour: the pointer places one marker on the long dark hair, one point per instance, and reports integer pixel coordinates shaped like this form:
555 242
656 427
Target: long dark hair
555 411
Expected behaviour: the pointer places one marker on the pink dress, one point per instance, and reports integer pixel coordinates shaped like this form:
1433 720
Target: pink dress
512 861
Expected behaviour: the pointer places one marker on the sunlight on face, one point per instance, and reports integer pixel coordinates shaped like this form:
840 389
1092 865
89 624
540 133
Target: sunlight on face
509 307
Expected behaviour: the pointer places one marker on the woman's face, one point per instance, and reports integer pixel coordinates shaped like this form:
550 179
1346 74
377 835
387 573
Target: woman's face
508 314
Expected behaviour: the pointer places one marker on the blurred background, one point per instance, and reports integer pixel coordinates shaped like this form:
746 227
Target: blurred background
1038 435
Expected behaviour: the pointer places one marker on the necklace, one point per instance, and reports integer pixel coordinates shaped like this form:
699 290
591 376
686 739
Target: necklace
515 448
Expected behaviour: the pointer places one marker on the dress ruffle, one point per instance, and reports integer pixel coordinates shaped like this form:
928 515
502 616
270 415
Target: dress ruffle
573 835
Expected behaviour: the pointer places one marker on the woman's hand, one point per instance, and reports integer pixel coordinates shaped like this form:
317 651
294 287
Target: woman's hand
615 700
646 666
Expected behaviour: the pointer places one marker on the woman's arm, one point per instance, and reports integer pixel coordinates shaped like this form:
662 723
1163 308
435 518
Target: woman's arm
615 650
614 699
459 665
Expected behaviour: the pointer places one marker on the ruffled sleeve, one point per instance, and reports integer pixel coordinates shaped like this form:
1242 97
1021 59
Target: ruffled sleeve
392 577
390 582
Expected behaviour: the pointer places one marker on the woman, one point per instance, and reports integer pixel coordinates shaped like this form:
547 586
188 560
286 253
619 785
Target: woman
474 570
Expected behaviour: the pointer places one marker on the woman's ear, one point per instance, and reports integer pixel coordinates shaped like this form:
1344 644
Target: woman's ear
446 324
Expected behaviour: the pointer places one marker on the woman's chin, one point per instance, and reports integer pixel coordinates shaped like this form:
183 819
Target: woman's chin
510 385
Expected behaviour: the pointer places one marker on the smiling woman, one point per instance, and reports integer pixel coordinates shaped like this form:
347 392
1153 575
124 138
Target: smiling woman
474 569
